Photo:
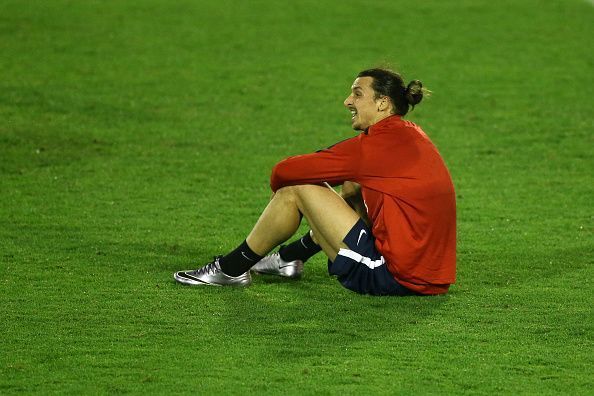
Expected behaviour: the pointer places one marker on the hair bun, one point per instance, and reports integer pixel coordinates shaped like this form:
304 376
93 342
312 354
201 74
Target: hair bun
414 92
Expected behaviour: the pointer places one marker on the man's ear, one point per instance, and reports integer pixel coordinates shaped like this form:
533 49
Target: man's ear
383 103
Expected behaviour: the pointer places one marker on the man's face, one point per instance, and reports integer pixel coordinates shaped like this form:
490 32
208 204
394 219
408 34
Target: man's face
365 109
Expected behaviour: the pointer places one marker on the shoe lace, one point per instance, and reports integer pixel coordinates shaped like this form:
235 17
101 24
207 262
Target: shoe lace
210 268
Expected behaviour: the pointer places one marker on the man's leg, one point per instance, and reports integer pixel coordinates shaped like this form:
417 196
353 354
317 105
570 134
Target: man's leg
351 193
328 215
300 250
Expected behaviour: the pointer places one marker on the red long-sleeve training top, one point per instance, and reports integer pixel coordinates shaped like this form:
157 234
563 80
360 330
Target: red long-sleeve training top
408 193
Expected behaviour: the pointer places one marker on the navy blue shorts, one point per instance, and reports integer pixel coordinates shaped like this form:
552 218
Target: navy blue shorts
362 269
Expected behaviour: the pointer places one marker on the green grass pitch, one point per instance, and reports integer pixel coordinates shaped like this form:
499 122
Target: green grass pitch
137 139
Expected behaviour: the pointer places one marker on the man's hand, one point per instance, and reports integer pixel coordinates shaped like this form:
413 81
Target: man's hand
351 193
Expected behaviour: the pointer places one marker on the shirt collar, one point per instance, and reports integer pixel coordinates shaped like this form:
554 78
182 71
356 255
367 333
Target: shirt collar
383 122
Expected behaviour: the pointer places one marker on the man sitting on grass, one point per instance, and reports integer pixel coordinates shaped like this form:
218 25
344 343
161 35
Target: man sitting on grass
392 231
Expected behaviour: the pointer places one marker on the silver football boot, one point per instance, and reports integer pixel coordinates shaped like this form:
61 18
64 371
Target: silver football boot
273 264
212 275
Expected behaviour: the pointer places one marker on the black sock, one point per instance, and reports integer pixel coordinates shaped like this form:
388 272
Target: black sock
239 261
302 249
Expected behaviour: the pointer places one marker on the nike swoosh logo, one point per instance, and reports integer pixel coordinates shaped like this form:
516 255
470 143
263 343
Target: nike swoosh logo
360 235
247 258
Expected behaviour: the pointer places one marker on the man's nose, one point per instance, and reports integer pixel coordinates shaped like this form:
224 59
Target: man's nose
347 101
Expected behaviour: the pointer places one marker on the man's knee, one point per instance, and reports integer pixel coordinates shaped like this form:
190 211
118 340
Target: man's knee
285 192
350 189
288 194
294 192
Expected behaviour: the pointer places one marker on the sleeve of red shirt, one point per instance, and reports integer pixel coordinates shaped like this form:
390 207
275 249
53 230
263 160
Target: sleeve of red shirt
333 165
